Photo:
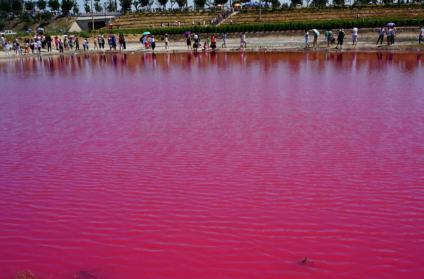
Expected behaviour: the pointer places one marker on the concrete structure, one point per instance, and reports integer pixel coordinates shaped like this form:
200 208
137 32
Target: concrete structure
85 21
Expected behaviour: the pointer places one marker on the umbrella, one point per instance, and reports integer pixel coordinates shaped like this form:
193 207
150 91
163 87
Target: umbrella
391 24
146 33
315 31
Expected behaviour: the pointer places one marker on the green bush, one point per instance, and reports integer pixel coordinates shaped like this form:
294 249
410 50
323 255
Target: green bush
269 27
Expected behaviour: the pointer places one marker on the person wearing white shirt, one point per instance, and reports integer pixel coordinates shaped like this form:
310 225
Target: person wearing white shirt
354 36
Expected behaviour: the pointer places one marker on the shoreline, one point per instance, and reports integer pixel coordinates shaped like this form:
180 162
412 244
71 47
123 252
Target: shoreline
258 44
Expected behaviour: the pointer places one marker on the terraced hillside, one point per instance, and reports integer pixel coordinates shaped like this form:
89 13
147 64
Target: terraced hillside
152 20
326 14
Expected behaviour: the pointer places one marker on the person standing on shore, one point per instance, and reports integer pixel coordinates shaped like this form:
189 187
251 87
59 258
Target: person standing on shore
328 37
243 43
95 43
196 43
381 33
153 43
85 45
316 34
213 42
122 43
354 36
306 37
49 43
60 44
224 40
77 43
166 42
340 39
188 42
39 46
421 35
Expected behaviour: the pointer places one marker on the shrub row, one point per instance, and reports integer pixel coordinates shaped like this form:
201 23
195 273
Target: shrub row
269 27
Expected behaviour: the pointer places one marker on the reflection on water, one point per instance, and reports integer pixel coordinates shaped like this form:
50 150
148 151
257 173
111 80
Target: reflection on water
135 62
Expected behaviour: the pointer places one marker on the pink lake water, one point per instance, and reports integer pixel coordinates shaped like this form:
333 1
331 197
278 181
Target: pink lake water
213 166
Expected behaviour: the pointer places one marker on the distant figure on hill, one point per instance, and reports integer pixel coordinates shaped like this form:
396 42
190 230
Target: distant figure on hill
354 36
340 39
381 32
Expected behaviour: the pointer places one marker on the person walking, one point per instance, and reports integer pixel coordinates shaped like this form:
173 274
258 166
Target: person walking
340 38
381 33
224 40
354 36
122 43
421 35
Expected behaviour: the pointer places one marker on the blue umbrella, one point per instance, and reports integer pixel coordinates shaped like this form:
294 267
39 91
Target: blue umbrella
146 33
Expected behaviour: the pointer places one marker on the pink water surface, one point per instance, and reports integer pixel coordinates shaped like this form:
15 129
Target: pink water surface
213 166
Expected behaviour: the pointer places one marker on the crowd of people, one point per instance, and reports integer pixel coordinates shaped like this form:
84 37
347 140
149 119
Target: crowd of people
40 42
388 31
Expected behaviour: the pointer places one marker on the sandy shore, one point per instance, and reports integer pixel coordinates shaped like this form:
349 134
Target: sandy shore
264 43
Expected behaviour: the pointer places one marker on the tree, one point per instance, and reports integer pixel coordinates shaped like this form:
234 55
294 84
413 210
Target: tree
67 6
146 3
319 3
97 6
111 6
75 8
29 5
296 2
125 5
275 4
16 7
136 4
162 3
4 7
220 2
200 4
339 2
42 4
54 5
181 3
87 7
